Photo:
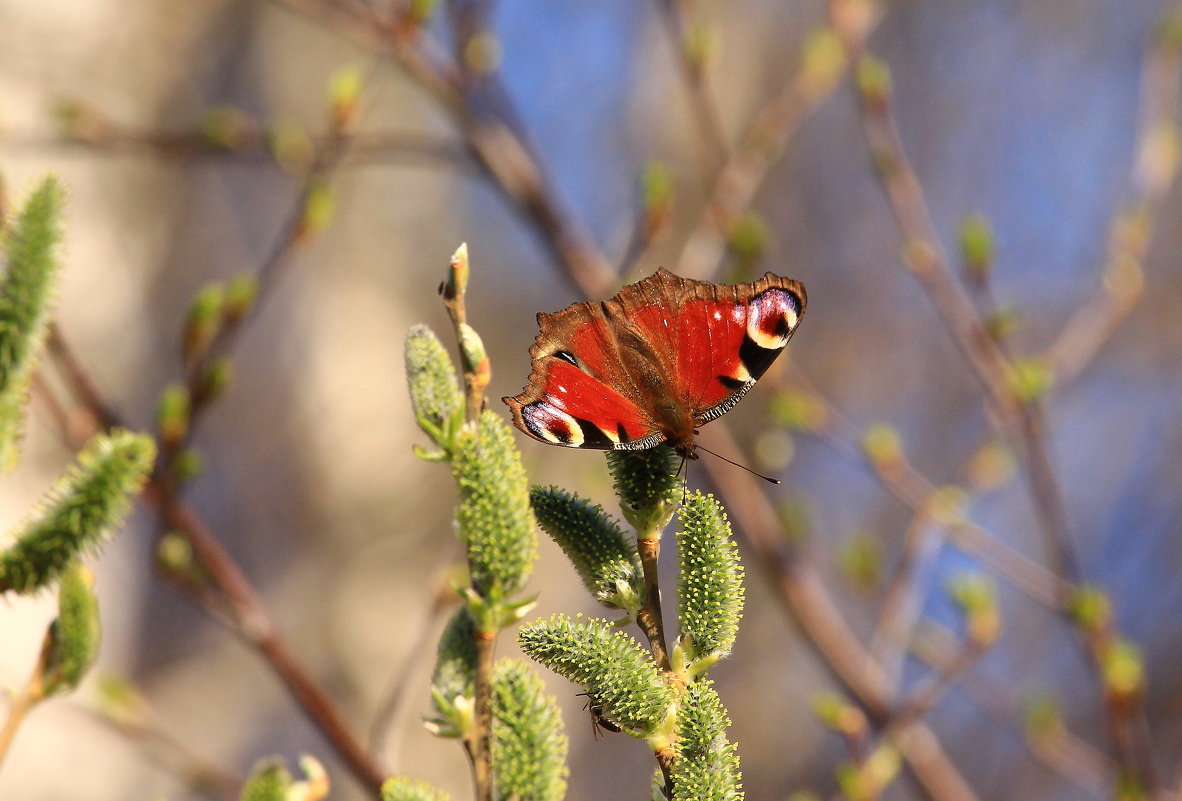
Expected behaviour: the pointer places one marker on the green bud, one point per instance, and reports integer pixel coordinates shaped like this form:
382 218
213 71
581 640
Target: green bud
242 292
344 91
605 558
657 190
838 714
269 781
1091 608
495 520
454 677
861 561
528 743
292 147
172 414
647 486
227 127
75 516
748 238
798 411
823 61
319 209
458 273
701 45
218 377
434 392
710 592
977 597
419 11
174 554
1031 379
188 464
203 322
608 664
883 446
873 79
976 248
1123 670
706 764
75 635
401 788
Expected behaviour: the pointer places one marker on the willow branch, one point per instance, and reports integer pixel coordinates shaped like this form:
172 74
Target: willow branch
799 589
711 136
759 149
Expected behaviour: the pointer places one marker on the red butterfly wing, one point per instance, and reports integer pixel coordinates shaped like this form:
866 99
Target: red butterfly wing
661 357
578 394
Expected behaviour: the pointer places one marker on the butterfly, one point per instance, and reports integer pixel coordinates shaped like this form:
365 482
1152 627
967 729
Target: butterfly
654 363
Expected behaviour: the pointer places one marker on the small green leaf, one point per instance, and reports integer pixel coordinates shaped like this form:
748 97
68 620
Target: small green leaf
203 321
90 500
242 292
172 413
320 207
608 664
873 78
528 743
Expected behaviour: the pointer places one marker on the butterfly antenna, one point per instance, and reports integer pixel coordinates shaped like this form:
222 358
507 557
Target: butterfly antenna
768 479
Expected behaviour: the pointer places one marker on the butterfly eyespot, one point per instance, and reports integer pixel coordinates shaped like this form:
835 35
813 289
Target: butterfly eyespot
566 356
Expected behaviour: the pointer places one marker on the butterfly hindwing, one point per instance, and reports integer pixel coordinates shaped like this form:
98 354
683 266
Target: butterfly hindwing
577 395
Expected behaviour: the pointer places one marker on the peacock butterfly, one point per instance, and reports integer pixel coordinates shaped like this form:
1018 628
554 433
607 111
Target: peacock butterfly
650 365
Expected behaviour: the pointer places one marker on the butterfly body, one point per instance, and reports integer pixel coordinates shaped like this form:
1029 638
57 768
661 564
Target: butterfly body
653 363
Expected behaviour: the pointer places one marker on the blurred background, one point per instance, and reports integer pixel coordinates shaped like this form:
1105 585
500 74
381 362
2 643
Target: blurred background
184 133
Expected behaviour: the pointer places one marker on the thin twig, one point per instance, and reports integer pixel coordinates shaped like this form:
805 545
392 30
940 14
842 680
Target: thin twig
1061 751
385 732
797 586
760 149
705 110
362 148
994 371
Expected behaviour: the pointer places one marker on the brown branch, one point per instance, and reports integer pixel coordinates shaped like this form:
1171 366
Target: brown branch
799 589
649 616
908 485
759 150
1129 235
993 370
500 150
711 135
253 147
1059 750
248 614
